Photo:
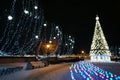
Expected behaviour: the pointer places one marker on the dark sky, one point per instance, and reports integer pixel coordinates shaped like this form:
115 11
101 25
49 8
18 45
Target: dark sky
77 17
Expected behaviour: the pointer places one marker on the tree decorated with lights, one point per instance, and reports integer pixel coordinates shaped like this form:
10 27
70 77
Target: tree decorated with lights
22 27
67 45
52 35
99 48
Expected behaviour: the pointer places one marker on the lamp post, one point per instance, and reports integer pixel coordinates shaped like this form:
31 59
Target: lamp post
47 52
82 52
47 46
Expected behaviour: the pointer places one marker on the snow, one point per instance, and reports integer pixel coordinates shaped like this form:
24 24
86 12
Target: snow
51 72
55 71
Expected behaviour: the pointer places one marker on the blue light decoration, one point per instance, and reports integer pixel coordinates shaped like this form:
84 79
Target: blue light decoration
24 21
87 71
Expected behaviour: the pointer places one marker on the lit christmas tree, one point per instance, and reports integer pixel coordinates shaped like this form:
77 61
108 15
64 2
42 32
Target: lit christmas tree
99 49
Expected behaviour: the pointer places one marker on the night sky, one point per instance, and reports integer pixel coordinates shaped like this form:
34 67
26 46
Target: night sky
77 18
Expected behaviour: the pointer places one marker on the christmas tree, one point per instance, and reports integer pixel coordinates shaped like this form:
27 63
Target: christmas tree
99 49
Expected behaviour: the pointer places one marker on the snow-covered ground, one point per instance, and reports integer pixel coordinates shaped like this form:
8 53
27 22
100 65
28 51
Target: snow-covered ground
51 72
87 70
57 72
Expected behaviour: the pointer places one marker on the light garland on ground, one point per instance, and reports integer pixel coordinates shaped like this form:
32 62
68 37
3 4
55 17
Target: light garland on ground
87 71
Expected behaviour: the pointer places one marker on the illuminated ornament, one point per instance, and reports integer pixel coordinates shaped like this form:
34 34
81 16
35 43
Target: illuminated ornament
44 24
56 27
69 36
97 18
35 17
72 47
10 17
35 7
58 34
36 36
50 41
26 12
54 37
99 48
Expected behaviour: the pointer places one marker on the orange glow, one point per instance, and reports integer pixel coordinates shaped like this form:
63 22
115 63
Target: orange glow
82 51
47 45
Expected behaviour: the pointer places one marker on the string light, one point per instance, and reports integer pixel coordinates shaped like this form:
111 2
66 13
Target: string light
87 71
10 17
19 34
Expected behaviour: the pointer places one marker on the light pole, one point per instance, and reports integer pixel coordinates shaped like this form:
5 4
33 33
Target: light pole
47 46
82 52
47 52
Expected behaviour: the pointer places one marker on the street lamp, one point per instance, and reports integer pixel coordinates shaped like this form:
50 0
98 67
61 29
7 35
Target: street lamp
47 46
47 51
82 52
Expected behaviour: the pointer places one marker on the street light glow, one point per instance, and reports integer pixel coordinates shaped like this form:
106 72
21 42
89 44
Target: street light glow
82 51
47 45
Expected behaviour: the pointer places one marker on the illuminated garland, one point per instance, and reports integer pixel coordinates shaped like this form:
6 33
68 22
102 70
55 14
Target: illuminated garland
22 27
87 71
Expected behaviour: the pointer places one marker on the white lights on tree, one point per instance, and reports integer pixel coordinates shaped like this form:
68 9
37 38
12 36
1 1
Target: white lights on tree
35 7
56 27
44 24
99 48
97 18
26 11
58 34
19 35
69 36
72 47
54 37
10 17
50 41
36 36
